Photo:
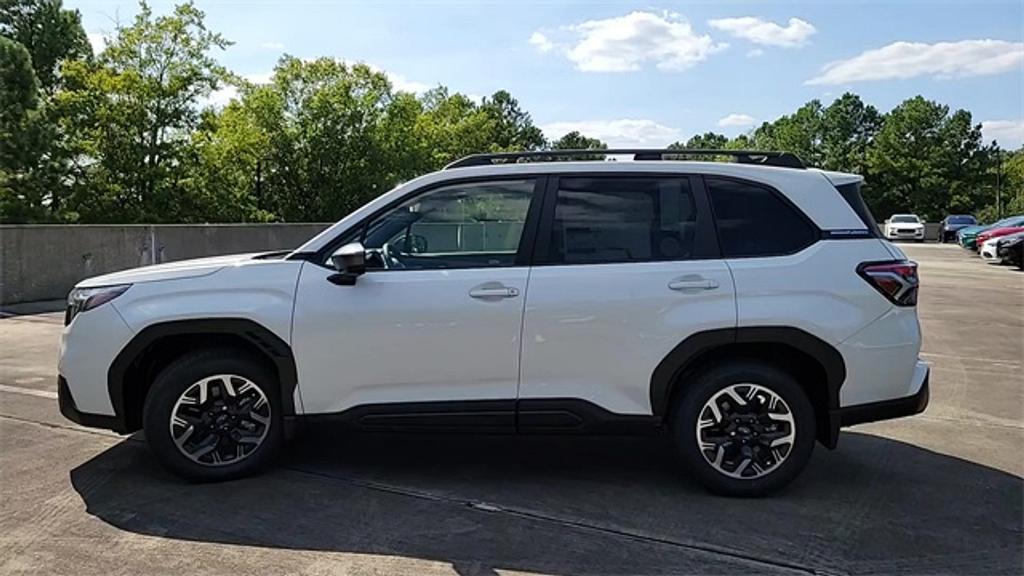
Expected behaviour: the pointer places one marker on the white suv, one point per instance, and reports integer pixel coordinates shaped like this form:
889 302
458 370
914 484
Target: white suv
747 309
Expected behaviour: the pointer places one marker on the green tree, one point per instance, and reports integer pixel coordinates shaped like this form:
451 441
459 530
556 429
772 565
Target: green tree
450 127
927 161
577 141
706 141
318 141
138 105
848 127
50 33
513 128
23 137
799 133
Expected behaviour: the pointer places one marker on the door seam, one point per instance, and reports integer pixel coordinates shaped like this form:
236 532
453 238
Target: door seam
522 333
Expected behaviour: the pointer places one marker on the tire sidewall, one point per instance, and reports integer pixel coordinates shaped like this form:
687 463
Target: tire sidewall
183 373
691 401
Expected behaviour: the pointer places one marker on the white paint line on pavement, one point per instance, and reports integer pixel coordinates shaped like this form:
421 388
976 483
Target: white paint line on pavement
28 391
1010 363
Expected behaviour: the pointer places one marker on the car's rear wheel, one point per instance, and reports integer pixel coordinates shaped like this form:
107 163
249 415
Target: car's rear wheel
214 415
743 429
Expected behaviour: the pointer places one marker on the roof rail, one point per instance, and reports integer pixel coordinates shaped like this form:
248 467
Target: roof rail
779 159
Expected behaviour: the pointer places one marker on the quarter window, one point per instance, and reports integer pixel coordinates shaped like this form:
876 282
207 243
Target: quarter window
622 219
753 221
470 225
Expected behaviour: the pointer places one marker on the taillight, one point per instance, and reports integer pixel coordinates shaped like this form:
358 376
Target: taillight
897 280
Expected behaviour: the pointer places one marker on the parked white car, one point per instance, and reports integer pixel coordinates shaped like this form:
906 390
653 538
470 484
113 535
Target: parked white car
989 251
745 309
904 227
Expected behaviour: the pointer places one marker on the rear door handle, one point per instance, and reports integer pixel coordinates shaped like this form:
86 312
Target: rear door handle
701 284
493 291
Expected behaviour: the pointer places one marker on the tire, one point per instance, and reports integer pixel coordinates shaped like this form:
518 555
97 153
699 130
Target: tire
738 376
241 396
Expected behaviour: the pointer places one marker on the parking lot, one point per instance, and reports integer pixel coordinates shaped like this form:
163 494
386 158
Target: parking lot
940 492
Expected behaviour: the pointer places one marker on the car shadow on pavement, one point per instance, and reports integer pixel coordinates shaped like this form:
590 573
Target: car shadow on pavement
569 505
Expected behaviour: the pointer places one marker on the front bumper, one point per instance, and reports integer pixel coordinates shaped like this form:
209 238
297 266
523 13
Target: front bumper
905 235
989 252
876 411
71 411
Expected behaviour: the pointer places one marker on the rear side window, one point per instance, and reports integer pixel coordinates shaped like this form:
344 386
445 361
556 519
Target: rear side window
622 219
753 221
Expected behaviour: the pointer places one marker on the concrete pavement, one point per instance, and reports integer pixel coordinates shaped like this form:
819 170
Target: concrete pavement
938 493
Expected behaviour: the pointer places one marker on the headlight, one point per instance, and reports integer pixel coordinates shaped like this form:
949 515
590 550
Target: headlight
82 299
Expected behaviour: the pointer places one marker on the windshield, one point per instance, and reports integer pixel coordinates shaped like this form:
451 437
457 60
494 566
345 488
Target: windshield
962 220
906 219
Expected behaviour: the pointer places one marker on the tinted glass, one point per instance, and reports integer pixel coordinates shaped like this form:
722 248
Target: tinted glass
905 219
754 221
602 220
470 225
961 220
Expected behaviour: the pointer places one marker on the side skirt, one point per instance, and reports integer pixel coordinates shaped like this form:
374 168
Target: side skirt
527 416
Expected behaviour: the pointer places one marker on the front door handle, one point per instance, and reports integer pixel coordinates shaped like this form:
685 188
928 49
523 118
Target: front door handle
693 284
493 291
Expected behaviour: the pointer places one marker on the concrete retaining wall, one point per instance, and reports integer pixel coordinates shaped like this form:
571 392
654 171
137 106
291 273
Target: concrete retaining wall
44 262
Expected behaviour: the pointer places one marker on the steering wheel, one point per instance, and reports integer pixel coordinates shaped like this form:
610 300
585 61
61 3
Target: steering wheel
390 258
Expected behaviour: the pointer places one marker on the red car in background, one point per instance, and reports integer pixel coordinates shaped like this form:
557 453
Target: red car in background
997 232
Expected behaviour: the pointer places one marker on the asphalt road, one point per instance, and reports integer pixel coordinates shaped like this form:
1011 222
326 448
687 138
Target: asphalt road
937 493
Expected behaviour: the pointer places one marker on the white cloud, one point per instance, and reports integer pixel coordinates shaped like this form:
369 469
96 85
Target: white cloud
98 41
542 42
737 120
272 45
220 98
259 78
617 133
940 60
755 52
223 96
1009 133
403 84
628 42
767 33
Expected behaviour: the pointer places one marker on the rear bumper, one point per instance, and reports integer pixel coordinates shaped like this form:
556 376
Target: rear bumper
70 411
877 411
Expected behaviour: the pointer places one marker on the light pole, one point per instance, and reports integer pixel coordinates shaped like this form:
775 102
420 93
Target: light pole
999 183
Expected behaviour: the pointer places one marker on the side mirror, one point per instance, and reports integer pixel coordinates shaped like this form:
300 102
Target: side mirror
350 262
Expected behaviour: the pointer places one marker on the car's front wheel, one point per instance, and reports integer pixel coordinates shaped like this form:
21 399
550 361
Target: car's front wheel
214 415
743 429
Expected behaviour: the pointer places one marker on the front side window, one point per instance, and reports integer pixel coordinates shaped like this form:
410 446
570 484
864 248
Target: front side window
622 219
469 225
753 221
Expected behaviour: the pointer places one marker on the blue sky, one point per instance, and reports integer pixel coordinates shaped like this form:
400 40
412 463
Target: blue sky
646 73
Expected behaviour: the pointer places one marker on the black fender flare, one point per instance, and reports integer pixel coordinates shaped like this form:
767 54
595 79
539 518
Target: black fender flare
690 350
276 350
